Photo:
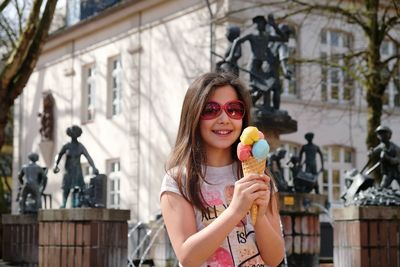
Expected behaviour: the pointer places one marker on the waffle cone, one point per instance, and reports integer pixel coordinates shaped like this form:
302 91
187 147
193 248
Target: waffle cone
253 165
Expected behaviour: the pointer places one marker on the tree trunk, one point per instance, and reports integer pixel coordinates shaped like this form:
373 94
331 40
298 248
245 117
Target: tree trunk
13 83
373 81
3 120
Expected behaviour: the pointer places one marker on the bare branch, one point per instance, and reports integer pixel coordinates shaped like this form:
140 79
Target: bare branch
3 5
395 68
389 24
11 35
396 5
20 19
19 81
18 56
351 17
386 61
394 40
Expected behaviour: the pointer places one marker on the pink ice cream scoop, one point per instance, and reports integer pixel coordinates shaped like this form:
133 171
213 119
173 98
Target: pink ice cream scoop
243 151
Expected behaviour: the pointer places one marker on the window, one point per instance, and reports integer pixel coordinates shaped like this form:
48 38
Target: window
115 86
391 96
89 93
337 160
87 172
337 84
114 175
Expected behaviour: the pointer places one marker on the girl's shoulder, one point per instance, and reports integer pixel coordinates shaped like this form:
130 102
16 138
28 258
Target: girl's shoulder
169 182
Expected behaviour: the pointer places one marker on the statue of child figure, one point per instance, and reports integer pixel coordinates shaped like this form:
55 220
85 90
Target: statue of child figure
32 179
73 177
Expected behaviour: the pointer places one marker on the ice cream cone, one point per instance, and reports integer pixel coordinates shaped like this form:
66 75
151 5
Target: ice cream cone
253 165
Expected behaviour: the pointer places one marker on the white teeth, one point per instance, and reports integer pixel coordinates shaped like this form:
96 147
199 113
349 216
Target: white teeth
222 132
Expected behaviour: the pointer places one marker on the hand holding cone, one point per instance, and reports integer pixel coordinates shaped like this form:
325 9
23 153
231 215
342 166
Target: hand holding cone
252 151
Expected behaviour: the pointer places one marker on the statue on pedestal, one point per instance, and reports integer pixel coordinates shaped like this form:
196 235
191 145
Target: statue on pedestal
310 150
389 156
32 179
262 70
360 187
73 177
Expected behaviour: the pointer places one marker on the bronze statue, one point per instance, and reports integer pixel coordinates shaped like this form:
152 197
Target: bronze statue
274 165
33 180
73 178
389 156
261 81
232 32
311 150
277 61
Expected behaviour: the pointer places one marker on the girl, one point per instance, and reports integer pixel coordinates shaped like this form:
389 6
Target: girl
204 203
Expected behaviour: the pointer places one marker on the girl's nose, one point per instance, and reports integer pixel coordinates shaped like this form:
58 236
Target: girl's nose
223 117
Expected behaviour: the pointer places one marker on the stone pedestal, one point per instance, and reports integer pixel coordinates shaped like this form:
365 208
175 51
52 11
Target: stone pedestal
301 227
20 239
273 123
366 236
83 237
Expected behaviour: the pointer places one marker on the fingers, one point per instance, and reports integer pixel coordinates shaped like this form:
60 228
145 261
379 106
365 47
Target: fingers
254 176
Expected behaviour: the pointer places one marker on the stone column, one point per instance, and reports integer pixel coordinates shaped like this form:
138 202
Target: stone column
83 237
366 236
20 239
301 227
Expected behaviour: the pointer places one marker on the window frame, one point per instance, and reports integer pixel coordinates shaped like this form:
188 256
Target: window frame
344 84
89 93
114 86
114 194
326 181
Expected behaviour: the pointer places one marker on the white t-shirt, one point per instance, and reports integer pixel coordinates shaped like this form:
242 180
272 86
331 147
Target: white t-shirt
239 248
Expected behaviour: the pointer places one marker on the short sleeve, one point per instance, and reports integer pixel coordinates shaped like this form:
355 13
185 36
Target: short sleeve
169 185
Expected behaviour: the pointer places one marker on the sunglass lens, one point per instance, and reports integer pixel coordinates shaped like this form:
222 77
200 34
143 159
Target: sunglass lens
211 110
235 110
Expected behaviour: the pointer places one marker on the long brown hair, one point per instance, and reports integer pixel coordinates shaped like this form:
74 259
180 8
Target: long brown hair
187 160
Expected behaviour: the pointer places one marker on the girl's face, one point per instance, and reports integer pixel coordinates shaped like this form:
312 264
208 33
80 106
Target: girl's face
220 133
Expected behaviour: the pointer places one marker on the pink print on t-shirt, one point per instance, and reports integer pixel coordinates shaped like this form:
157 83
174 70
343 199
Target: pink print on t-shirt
221 258
213 198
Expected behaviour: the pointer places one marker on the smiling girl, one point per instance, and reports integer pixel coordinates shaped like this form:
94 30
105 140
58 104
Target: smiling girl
204 197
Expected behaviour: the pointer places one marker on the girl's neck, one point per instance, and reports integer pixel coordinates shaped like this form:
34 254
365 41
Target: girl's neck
219 158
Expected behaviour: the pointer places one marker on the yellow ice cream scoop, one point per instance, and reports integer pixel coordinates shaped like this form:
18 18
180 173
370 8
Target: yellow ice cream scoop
250 135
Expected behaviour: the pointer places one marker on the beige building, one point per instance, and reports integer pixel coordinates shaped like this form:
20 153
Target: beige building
122 75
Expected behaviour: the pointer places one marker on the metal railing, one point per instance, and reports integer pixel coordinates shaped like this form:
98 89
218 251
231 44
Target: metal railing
142 239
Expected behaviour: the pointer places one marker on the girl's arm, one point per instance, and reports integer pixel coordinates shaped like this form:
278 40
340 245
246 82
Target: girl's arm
193 248
268 232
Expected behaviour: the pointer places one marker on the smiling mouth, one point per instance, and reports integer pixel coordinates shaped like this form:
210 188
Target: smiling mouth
222 132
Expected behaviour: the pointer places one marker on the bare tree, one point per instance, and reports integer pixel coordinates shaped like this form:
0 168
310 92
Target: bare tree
377 19
26 40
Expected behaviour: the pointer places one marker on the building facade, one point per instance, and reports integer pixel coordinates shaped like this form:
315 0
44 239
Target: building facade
122 75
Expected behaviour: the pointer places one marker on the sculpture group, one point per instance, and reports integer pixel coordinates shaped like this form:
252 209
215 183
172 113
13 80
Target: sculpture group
33 178
384 159
303 169
269 56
